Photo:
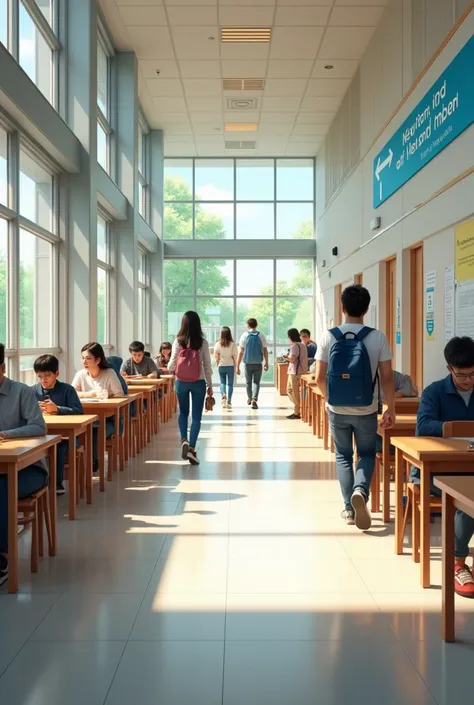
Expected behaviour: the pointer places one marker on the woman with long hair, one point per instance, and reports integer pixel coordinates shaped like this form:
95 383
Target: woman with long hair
163 357
225 354
97 378
191 363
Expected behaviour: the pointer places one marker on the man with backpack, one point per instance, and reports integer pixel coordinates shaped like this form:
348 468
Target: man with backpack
352 362
253 350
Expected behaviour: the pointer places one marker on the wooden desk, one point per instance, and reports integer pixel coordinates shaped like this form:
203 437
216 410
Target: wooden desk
282 378
458 493
404 426
138 398
104 409
305 381
70 428
407 405
161 383
149 393
16 455
168 403
431 456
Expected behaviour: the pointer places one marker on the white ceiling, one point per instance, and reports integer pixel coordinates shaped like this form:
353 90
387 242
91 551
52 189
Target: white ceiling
300 98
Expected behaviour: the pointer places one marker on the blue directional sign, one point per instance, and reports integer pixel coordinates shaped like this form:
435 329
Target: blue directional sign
443 114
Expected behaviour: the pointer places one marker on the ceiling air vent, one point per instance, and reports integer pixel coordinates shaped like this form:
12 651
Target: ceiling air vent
246 34
240 144
243 84
241 104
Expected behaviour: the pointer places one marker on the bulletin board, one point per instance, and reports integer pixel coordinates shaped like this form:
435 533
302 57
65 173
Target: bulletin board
459 284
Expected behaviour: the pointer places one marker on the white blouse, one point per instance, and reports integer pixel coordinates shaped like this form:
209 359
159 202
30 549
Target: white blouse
106 381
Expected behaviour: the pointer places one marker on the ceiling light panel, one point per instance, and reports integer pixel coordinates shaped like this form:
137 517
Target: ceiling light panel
243 84
241 127
246 35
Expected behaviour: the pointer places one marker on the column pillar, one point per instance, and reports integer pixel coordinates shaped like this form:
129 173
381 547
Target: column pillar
157 258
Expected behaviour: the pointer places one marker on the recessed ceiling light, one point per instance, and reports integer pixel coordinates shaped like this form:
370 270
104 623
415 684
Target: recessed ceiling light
328 67
246 34
240 127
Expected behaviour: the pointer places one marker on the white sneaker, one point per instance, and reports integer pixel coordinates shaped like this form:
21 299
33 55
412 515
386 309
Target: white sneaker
229 406
192 457
363 520
224 402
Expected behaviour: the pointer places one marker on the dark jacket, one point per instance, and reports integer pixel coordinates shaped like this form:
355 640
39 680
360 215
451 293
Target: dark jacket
441 402
63 395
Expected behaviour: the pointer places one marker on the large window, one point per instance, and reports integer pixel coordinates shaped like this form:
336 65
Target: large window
143 168
38 45
4 285
104 275
3 166
247 199
279 293
36 191
143 298
104 130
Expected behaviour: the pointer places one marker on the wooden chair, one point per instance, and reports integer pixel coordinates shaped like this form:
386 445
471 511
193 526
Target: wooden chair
80 472
35 509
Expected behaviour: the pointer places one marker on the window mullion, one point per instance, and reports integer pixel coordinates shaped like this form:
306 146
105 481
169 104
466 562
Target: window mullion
42 24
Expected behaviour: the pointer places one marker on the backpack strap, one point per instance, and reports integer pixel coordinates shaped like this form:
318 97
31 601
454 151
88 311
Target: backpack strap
363 333
337 333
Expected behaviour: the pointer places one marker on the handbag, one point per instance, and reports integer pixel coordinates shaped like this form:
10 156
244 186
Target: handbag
210 402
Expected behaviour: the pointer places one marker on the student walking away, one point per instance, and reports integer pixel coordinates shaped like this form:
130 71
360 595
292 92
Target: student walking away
138 364
298 359
191 363
163 358
56 398
253 351
98 380
352 360
225 355
20 417
310 345
452 399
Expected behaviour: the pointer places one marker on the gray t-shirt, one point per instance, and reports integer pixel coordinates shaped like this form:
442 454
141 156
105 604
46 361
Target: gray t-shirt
378 350
145 367
465 395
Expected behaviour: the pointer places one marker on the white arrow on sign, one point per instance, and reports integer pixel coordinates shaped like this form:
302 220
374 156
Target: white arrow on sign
381 166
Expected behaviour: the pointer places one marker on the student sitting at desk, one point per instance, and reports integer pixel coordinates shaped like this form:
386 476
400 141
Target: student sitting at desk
452 399
97 380
139 365
20 417
55 397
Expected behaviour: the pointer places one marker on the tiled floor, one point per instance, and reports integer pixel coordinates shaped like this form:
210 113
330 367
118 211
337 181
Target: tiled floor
232 584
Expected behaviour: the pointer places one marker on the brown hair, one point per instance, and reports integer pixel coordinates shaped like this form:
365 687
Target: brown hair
252 323
226 337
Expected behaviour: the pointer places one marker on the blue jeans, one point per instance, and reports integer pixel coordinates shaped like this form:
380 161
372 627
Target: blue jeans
253 376
463 523
197 391
344 428
226 373
30 480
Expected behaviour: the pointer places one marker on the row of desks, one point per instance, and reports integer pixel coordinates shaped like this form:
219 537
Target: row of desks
16 455
451 457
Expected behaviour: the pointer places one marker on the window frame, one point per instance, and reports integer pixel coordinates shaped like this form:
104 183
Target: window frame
104 121
143 173
144 286
108 268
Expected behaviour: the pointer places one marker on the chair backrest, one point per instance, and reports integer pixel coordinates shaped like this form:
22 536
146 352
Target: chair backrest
458 429
116 362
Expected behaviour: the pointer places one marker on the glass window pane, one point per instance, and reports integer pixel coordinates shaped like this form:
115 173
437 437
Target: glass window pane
215 277
254 276
178 221
27 372
262 310
174 311
255 180
214 221
295 179
293 313
255 221
102 306
295 221
179 277
36 192
3 280
215 313
3 166
178 180
102 79
215 180
46 7
102 148
36 291
141 318
141 152
294 277
35 55
141 200
4 22
102 244
142 268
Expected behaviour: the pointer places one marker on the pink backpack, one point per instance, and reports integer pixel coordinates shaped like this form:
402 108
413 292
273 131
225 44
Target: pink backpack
188 366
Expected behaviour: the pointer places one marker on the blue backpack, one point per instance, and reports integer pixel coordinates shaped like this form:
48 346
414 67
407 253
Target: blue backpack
349 376
253 354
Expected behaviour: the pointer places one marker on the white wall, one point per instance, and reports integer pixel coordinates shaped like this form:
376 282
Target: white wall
386 74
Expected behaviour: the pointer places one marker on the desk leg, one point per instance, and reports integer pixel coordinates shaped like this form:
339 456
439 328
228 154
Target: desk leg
72 489
53 504
89 464
447 624
126 440
425 526
325 428
112 466
121 440
399 466
12 527
386 477
141 424
101 439
315 413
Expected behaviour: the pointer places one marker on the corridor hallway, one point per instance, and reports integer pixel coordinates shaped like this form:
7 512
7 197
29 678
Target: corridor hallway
234 583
